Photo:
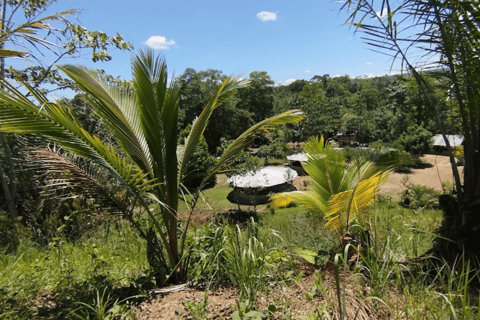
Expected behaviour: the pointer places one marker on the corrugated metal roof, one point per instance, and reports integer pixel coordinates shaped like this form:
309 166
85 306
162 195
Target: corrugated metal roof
297 157
454 140
263 178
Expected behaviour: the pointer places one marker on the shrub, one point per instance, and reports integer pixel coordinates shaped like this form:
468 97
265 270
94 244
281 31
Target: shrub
201 162
416 140
419 197
244 258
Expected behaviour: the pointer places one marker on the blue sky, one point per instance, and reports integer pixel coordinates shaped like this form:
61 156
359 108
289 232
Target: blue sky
288 39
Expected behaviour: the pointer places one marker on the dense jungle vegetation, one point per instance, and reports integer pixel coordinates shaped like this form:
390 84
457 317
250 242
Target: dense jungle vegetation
114 199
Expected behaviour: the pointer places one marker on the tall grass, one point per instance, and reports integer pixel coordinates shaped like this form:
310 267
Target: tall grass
64 273
245 260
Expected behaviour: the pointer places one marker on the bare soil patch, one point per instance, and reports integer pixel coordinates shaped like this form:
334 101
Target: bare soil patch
434 170
295 300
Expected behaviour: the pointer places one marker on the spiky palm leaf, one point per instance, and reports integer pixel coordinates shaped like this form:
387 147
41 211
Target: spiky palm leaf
353 203
336 186
326 167
65 176
6 53
143 120
20 115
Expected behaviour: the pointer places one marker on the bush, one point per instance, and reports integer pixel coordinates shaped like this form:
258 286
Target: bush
420 198
201 162
416 140
275 148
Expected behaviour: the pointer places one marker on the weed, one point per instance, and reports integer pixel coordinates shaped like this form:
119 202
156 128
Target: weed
420 198
245 261
198 310
103 308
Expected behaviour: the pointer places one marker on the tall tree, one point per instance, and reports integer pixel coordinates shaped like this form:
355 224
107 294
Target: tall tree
27 32
447 33
257 96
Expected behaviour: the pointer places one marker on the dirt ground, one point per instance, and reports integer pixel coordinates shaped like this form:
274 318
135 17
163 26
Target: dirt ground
295 300
434 170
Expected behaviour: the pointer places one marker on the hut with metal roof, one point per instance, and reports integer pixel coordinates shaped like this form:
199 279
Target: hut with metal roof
255 187
439 144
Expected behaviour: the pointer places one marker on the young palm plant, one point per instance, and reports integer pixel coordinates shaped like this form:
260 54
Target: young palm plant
341 192
142 118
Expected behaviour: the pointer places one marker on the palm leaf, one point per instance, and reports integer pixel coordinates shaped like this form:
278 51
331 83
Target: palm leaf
6 53
337 188
20 115
226 90
64 173
352 203
158 111
116 106
247 138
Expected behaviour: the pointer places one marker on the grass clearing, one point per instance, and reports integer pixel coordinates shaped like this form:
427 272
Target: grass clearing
93 276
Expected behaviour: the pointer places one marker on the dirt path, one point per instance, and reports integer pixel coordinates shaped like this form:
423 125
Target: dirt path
435 170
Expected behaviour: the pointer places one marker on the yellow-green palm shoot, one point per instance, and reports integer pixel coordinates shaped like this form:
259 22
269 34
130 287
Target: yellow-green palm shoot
341 191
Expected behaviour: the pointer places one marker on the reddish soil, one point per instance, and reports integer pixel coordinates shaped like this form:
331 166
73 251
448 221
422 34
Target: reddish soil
293 300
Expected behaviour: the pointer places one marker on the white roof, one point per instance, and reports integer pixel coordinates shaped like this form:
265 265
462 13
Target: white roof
298 157
263 178
454 140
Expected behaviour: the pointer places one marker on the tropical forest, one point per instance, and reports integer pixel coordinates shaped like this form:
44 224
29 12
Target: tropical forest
199 194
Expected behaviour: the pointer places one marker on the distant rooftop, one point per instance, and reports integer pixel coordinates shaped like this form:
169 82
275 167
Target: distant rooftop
263 178
297 157
453 140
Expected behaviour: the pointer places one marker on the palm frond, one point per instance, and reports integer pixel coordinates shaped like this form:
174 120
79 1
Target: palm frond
350 204
6 53
116 106
309 200
338 189
65 175
226 90
20 115
158 111
247 138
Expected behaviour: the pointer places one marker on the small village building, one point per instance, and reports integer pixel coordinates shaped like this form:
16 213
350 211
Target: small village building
296 161
439 144
255 187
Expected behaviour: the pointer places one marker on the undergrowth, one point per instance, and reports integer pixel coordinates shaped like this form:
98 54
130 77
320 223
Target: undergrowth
105 273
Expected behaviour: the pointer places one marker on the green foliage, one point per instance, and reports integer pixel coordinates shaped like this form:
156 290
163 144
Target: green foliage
416 140
446 37
381 154
244 162
28 29
103 308
198 310
107 258
200 165
257 96
418 197
341 192
245 260
275 149
196 88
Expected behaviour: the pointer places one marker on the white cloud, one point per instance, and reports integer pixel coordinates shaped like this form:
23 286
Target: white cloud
336 76
267 16
382 14
285 82
368 63
159 43
308 71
